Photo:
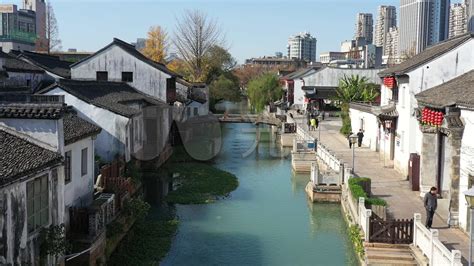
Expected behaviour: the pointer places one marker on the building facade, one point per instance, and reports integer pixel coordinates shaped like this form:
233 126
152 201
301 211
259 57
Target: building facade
303 47
386 20
470 14
17 28
422 23
457 19
364 27
39 7
391 51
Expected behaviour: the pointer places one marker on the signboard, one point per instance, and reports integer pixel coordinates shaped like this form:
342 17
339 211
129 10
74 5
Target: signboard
7 8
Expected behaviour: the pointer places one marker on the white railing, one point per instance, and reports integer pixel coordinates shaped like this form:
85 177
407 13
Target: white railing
302 134
364 218
427 241
318 179
328 158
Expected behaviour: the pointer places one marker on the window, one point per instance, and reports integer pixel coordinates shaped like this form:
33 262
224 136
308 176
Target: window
84 162
188 111
196 111
28 82
102 75
127 76
37 196
67 167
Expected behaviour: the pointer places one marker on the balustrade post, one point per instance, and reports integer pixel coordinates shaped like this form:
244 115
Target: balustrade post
433 237
456 258
295 145
416 220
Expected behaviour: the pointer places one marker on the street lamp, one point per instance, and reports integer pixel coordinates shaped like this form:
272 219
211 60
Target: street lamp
353 139
470 202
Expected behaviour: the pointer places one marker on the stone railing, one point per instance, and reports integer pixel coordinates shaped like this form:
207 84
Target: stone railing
364 218
327 179
427 241
303 145
329 158
303 134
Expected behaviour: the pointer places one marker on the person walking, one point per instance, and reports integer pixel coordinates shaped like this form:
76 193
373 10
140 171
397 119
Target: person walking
431 203
349 139
313 124
360 137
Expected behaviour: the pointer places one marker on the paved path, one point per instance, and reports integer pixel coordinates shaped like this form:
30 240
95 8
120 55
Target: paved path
387 183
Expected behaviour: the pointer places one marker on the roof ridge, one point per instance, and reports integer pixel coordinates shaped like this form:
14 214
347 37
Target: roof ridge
28 138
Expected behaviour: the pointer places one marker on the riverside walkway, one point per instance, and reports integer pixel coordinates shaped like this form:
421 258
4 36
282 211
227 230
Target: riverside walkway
387 183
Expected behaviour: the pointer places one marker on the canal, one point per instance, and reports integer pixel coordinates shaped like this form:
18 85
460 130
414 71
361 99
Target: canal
266 221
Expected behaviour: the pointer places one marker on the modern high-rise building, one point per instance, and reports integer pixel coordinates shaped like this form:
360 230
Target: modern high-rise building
470 14
422 23
39 7
457 19
391 52
17 28
302 47
364 27
387 18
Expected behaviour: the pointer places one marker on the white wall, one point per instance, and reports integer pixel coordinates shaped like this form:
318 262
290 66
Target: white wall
146 78
49 132
113 137
370 126
466 163
299 93
79 191
22 246
442 69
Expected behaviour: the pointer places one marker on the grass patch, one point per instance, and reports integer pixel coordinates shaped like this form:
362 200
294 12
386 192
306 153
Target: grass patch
354 234
357 191
200 183
146 244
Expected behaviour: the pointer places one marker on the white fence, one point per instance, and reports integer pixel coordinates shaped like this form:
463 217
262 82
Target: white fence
364 218
327 179
427 241
329 158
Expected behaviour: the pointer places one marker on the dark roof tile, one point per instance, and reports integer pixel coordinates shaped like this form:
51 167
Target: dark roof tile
427 55
20 157
49 63
76 128
14 64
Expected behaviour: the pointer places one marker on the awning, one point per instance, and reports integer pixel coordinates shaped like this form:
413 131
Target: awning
387 112
319 93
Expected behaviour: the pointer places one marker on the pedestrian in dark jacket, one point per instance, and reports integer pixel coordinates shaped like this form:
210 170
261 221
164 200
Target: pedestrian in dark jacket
431 203
360 137
349 139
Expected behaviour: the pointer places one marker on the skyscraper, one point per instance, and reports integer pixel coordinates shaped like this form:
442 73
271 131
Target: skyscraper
387 18
39 6
302 46
457 19
470 14
364 27
422 23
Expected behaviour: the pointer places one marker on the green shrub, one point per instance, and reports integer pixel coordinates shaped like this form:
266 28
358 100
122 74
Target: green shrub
354 234
357 191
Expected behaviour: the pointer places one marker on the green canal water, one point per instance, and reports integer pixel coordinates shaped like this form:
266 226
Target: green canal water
266 221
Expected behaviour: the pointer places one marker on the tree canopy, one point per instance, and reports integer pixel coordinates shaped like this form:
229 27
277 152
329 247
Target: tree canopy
156 44
264 90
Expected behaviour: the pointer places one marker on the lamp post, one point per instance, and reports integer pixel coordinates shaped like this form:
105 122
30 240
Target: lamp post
353 139
470 202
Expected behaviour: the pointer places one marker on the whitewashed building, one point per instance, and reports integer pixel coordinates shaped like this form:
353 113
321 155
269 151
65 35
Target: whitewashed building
452 151
19 76
133 124
121 62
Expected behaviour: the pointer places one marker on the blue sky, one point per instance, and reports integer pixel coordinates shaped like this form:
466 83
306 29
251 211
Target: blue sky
253 27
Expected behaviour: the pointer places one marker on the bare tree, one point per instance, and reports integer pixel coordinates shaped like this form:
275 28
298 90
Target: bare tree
52 41
195 35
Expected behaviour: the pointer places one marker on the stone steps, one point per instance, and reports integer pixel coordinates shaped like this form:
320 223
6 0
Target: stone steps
387 254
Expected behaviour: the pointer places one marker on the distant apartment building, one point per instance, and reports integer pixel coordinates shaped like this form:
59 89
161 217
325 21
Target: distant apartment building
422 23
39 7
470 14
354 54
302 47
457 19
276 62
328 57
390 50
364 26
140 44
387 19
17 28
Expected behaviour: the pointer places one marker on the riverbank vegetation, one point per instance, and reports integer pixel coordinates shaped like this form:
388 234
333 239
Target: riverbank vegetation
264 90
197 182
353 89
357 185
356 239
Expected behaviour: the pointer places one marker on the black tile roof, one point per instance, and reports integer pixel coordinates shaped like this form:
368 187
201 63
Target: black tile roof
20 157
13 64
300 73
112 96
49 63
134 52
458 91
427 55
20 110
76 128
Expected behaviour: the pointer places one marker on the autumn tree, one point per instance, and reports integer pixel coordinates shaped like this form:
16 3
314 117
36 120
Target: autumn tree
195 36
156 44
52 41
246 73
